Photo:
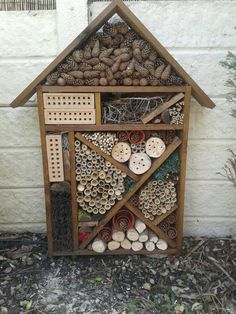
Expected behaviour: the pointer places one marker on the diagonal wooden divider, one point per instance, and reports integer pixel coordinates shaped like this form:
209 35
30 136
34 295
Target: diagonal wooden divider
122 167
159 219
155 165
150 224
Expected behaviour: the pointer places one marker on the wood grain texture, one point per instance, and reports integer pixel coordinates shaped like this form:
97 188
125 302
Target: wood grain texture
162 107
122 167
160 218
98 116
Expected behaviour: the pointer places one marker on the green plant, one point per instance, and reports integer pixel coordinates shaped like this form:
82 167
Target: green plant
229 169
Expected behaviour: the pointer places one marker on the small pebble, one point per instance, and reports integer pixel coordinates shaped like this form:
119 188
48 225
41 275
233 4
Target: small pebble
152 281
146 286
7 270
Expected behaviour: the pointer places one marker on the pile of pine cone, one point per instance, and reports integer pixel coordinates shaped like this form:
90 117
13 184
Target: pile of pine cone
115 56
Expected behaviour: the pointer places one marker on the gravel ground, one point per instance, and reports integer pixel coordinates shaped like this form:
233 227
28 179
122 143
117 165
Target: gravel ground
200 280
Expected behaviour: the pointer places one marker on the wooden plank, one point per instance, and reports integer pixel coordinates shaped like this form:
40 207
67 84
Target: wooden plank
95 25
112 127
98 109
126 14
162 108
150 224
122 167
45 171
117 252
182 175
113 89
155 165
74 206
163 216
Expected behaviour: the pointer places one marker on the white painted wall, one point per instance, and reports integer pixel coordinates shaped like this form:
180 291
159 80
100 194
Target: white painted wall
199 39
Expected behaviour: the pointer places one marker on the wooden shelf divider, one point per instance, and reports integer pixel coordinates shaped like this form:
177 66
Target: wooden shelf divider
155 165
122 167
160 218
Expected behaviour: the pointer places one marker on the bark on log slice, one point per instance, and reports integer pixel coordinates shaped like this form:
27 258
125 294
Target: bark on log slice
121 152
137 246
150 246
143 236
132 234
162 245
118 235
153 237
113 245
155 147
140 226
99 246
126 244
139 163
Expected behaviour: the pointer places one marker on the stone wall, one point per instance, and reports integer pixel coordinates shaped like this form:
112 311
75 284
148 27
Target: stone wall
198 34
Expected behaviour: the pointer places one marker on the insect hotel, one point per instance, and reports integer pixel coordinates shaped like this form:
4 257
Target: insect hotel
114 117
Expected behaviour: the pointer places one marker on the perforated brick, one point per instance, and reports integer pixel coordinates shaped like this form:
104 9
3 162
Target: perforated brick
66 116
54 155
68 100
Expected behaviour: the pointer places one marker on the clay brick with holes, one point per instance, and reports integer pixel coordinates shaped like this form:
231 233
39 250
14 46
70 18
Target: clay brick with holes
68 100
54 155
67 116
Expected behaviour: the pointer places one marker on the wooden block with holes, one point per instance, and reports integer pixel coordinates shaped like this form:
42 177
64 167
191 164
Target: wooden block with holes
68 116
54 156
68 101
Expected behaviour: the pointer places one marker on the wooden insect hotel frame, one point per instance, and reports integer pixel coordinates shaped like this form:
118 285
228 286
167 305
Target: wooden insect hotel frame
114 118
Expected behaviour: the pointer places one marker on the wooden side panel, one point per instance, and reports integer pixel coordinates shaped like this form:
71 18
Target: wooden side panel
55 159
98 109
45 170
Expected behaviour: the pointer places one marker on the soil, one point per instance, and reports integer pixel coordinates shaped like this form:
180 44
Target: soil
200 280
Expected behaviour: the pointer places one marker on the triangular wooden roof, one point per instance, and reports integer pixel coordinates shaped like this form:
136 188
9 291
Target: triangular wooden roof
117 6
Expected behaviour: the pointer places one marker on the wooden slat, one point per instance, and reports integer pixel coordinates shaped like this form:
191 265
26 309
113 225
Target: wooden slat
155 165
113 89
98 109
109 11
122 167
112 127
87 223
117 252
163 216
162 108
182 175
150 224
45 171
74 206
126 14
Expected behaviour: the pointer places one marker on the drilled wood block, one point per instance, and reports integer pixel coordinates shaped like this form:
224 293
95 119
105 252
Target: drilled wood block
54 155
68 100
67 116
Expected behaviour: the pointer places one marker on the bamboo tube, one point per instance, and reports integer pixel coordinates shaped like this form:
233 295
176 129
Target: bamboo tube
118 235
113 245
102 211
143 237
137 246
152 236
139 226
161 245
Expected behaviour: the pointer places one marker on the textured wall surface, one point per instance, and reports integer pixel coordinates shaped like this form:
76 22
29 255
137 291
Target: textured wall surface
198 39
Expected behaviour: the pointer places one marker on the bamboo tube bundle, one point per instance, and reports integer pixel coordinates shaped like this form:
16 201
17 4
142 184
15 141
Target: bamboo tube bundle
123 220
104 140
100 184
157 198
138 148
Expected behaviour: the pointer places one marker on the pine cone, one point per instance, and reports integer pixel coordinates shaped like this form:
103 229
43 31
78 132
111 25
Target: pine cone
146 51
91 74
87 52
107 61
150 66
120 51
115 66
78 55
136 75
158 62
85 67
92 40
93 61
153 81
130 68
78 82
92 82
143 71
109 74
137 54
71 62
96 49
174 80
77 74
52 78
105 39
122 27
159 70
68 78
119 38
132 35
166 73
127 43
153 55
110 29
139 43
123 66
64 68
99 67
128 81
105 53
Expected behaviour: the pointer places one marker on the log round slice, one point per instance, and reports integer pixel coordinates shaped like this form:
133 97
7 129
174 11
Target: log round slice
155 147
139 163
121 152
